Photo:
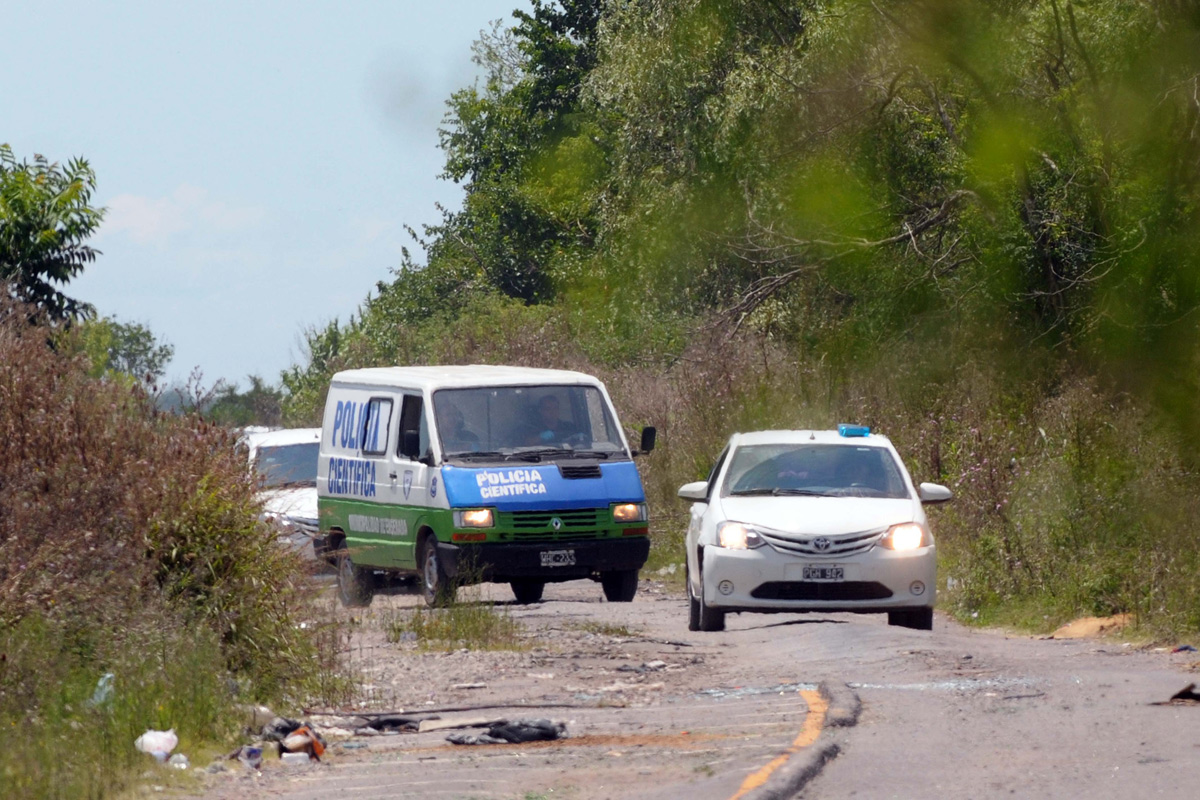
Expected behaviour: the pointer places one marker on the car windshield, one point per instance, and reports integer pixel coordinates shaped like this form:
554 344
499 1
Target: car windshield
531 423
830 470
288 464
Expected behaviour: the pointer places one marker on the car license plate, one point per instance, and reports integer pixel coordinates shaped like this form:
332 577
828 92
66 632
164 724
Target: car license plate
558 558
824 573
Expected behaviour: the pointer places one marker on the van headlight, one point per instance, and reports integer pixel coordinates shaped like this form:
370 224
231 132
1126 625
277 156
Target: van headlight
629 512
474 518
736 536
906 536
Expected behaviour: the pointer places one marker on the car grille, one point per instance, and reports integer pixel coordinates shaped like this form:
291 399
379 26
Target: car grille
838 546
538 526
813 590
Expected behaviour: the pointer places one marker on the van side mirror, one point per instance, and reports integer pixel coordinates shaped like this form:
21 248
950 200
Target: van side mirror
649 437
931 493
410 444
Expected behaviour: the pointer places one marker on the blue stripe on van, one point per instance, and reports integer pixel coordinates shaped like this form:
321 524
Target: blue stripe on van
540 487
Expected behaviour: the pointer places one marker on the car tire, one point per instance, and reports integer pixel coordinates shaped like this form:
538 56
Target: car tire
435 583
620 585
355 585
920 619
527 591
710 619
693 607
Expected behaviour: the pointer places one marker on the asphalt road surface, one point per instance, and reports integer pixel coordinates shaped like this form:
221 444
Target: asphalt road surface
655 711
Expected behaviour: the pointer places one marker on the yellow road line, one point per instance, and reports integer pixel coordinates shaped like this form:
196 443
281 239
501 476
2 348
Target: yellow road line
817 705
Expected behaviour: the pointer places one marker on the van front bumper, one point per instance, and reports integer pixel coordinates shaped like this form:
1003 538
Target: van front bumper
548 561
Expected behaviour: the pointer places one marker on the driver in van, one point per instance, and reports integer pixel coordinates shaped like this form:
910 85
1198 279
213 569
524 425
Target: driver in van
549 427
457 436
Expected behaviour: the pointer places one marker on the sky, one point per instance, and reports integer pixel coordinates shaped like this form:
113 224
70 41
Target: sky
259 160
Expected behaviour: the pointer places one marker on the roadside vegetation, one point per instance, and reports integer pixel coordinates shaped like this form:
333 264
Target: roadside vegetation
139 588
971 225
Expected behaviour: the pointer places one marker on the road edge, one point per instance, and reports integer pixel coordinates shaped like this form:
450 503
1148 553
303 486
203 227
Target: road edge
842 713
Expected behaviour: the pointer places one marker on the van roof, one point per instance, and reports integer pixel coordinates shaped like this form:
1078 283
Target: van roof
471 375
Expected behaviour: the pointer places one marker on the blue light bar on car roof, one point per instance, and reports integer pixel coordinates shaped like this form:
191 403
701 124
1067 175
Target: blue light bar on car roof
853 430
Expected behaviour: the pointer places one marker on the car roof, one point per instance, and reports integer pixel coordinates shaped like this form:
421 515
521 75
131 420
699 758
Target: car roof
254 438
466 376
807 437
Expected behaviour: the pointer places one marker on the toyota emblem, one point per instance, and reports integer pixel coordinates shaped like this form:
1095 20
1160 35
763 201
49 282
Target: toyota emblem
821 544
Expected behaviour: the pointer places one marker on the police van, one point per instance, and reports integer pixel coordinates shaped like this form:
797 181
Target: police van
464 474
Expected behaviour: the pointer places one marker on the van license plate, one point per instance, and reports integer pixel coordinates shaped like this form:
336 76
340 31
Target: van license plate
829 573
558 558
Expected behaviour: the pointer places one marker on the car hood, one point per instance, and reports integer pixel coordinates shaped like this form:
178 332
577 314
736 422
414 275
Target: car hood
819 516
298 501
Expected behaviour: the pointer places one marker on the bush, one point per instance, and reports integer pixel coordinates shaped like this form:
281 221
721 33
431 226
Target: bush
129 543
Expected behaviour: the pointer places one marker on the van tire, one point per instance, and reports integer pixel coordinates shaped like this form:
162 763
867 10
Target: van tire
619 585
527 590
435 584
355 585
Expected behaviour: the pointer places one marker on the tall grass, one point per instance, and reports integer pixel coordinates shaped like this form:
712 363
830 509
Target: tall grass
130 544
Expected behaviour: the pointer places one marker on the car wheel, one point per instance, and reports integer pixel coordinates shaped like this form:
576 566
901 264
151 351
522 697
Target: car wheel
710 619
435 584
356 586
527 591
693 607
920 619
620 585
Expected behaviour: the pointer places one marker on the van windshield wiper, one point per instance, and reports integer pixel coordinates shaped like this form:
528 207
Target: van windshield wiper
536 454
477 454
591 453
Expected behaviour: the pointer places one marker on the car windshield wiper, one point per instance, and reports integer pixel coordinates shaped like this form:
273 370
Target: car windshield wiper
777 492
293 484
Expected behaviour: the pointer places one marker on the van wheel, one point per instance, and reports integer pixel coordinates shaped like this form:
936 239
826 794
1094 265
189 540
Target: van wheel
527 591
435 584
619 585
920 619
356 586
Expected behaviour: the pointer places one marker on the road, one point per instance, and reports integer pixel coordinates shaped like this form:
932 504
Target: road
654 711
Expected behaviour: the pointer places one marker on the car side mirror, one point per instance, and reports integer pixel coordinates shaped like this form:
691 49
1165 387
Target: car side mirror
649 437
931 493
697 491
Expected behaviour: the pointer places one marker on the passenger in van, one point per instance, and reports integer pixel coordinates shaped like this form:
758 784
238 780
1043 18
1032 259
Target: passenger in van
549 427
457 436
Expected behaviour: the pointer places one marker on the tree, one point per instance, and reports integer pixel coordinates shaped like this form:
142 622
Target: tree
45 220
126 348
258 405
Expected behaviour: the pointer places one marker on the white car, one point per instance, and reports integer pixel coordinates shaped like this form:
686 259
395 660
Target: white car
810 521
285 462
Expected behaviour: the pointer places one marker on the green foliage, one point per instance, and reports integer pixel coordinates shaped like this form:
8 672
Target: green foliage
258 405
119 348
45 220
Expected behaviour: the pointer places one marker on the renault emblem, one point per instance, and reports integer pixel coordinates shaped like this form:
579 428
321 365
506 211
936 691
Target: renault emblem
821 544
556 523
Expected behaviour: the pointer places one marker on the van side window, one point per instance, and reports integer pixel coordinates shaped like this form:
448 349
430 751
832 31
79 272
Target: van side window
414 430
376 423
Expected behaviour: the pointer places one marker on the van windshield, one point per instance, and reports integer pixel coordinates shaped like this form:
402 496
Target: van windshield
526 423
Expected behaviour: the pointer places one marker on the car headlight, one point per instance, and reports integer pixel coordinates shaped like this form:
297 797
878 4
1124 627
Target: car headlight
474 518
629 512
906 536
736 536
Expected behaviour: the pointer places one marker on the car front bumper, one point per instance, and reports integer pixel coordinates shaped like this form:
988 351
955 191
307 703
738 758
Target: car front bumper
763 579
